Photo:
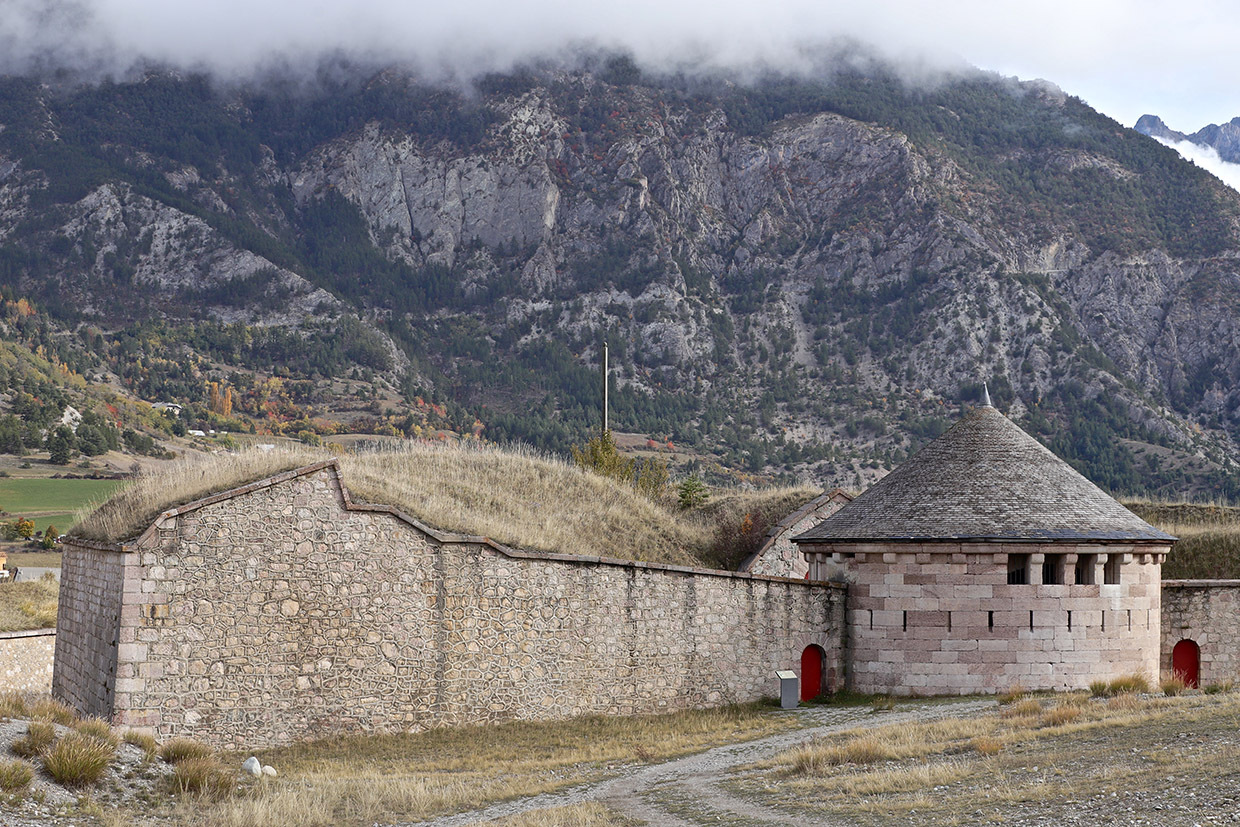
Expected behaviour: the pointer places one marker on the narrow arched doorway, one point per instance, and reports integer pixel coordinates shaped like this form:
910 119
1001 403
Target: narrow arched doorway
811 672
1186 663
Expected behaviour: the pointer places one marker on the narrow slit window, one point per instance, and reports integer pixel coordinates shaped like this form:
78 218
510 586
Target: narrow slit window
1085 569
906 620
1018 569
1031 620
990 620
1052 570
1069 620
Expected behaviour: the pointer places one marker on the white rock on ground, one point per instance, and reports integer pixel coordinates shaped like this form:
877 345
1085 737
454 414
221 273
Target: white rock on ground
252 766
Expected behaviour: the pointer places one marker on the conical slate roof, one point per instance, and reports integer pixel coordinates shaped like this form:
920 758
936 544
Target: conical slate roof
984 479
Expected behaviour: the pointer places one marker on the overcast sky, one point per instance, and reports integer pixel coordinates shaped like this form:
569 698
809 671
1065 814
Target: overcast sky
1125 57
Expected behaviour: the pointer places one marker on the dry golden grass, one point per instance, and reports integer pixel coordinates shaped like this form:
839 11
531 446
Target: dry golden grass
184 749
517 497
15 776
1025 708
987 745
78 759
205 777
589 814
360 780
1060 715
131 509
1014 693
143 741
39 736
947 770
29 605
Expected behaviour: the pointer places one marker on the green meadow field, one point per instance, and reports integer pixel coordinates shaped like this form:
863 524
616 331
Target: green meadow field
49 501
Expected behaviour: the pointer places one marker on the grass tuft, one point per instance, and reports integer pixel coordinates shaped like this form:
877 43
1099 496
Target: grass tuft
1125 684
205 777
184 749
78 760
13 705
15 776
987 745
1014 693
47 708
1173 686
143 741
1060 715
1218 688
39 736
1025 708
98 729
1136 682
1126 701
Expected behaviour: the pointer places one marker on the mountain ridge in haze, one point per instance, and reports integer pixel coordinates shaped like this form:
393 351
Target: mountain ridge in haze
796 277
1223 138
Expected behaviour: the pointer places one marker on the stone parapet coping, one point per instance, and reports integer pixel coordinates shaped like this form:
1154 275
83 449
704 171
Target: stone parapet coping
27 633
443 537
1201 584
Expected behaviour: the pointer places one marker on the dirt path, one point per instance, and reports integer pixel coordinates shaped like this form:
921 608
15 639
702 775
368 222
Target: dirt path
686 792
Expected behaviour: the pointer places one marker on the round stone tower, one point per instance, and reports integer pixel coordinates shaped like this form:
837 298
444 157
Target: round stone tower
986 562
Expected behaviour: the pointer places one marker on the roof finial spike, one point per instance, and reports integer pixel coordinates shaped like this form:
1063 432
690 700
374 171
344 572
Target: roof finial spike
986 396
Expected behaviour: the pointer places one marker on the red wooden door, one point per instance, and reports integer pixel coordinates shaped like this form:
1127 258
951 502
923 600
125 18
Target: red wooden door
811 672
1186 663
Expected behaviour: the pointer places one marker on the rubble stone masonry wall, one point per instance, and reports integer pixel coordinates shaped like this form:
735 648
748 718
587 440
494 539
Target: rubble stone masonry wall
281 612
941 618
1206 612
26 660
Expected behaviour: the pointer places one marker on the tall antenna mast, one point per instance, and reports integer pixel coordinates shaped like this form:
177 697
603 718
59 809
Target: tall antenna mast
604 372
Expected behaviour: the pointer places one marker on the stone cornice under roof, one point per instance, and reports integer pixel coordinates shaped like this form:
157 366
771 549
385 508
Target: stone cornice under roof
984 480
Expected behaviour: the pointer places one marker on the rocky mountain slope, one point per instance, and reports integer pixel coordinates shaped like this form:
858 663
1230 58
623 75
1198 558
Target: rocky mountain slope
1225 138
798 278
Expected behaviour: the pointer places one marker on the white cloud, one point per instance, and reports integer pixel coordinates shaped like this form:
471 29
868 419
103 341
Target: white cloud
1124 56
1207 158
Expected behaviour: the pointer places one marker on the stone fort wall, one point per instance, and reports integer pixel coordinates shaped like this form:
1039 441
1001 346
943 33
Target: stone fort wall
26 660
281 611
1206 612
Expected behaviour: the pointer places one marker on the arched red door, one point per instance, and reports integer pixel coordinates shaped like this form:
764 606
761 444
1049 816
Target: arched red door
1186 663
811 672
